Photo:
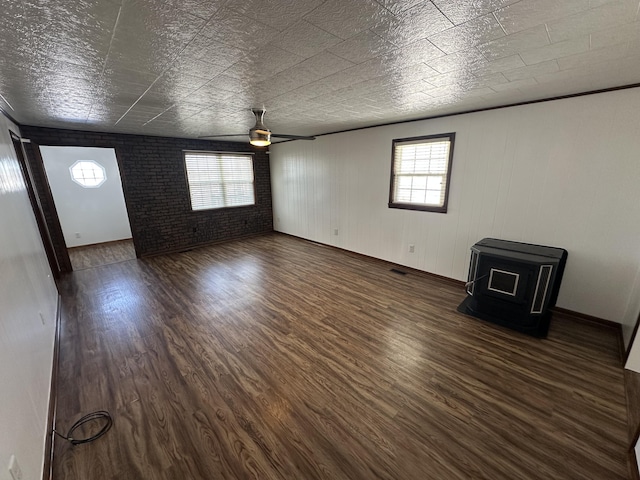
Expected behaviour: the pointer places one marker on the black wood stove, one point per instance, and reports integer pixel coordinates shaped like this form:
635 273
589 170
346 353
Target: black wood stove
514 284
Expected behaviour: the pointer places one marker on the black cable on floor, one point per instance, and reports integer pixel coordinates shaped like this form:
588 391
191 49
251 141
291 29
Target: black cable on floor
99 415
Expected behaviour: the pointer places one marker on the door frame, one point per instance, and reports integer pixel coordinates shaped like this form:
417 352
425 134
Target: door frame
36 205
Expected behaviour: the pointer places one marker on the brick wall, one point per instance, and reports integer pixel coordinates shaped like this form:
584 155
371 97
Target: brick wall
156 191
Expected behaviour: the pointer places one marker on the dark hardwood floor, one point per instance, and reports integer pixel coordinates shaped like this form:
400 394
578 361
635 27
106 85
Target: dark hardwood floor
277 358
89 256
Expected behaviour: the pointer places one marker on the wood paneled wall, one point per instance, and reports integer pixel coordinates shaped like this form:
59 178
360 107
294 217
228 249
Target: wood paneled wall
562 173
28 300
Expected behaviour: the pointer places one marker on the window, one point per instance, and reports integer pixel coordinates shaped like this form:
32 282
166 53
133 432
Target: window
88 173
420 172
219 180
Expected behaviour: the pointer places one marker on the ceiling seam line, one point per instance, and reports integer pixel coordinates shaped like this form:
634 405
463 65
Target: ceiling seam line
443 14
106 57
546 29
499 23
169 64
113 36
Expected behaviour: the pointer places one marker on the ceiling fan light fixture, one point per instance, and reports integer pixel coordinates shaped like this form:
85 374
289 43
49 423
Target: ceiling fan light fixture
260 137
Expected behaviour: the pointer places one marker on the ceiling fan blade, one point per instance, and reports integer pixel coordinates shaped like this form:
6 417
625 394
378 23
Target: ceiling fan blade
231 135
292 137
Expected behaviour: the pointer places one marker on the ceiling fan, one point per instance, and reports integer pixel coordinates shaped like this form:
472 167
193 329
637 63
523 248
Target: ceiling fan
259 134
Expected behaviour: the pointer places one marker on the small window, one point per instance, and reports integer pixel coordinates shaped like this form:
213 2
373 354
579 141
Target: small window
88 173
420 172
219 180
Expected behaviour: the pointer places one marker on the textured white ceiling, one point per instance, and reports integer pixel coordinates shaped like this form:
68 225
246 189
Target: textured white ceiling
186 68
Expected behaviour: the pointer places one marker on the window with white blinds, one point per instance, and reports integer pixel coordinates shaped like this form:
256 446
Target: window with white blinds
219 180
420 172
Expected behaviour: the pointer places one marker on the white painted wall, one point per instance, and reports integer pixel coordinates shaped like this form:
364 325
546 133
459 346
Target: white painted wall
97 214
26 342
564 173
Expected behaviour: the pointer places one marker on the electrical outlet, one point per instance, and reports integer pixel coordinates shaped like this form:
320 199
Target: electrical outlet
412 248
335 231
14 468
77 234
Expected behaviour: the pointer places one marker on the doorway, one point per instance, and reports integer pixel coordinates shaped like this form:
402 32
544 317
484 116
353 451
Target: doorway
36 206
87 191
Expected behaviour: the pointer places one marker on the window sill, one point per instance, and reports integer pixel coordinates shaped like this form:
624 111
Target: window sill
422 208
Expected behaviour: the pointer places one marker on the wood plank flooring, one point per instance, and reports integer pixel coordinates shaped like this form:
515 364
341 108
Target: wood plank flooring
89 256
276 358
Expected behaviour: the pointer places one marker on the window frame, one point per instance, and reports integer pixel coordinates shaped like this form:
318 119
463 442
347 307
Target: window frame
79 181
416 206
251 155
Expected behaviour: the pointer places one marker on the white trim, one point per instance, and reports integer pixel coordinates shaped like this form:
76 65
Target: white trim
515 287
546 287
471 288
